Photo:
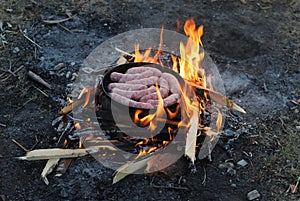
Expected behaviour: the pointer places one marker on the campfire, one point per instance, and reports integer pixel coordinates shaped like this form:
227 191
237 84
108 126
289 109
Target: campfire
150 108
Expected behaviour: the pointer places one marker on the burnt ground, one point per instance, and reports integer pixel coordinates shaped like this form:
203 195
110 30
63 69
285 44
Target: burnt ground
255 45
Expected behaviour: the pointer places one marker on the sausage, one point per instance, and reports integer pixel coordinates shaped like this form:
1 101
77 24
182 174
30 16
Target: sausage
146 81
134 95
154 96
162 82
128 77
128 87
173 83
120 77
115 76
170 100
141 69
131 103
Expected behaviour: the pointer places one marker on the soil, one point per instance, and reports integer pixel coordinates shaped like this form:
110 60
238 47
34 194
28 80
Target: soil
255 45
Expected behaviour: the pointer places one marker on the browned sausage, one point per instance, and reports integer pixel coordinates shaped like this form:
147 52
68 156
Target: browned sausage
146 81
154 96
128 87
134 95
170 100
173 83
131 103
141 69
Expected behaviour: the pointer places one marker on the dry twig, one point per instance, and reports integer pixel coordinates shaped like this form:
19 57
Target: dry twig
19 145
32 41
37 78
14 72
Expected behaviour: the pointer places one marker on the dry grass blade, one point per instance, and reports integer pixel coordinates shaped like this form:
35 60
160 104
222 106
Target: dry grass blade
129 168
190 146
219 98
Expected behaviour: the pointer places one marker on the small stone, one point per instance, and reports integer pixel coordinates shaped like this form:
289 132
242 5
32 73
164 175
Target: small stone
253 195
16 50
229 133
51 72
87 70
63 193
233 185
74 76
298 127
59 66
68 74
231 171
73 63
87 172
242 163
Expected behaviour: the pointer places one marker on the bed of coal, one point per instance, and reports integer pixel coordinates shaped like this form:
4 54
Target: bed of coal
255 45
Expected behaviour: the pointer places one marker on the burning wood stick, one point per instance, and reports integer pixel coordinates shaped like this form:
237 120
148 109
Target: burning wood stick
42 154
37 78
190 146
219 98
70 107
51 163
126 55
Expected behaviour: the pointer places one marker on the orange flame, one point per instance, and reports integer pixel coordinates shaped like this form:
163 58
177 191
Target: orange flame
87 92
77 125
151 119
219 121
189 67
191 54
139 57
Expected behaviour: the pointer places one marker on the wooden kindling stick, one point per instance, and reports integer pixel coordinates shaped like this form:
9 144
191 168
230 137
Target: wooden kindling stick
42 154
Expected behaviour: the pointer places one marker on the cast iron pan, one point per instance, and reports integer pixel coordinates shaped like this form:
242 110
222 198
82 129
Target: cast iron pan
124 109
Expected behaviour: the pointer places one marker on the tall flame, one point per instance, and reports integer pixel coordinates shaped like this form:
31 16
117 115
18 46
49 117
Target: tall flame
192 54
189 66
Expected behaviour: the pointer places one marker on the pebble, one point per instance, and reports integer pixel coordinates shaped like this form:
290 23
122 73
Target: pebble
229 133
16 50
68 74
242 163
253 195
233 185
226 165
87 172
298 127
231 171
74 76
59 66
87 70
63 193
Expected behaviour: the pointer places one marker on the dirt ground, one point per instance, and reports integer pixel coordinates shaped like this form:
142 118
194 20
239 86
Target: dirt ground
255 45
